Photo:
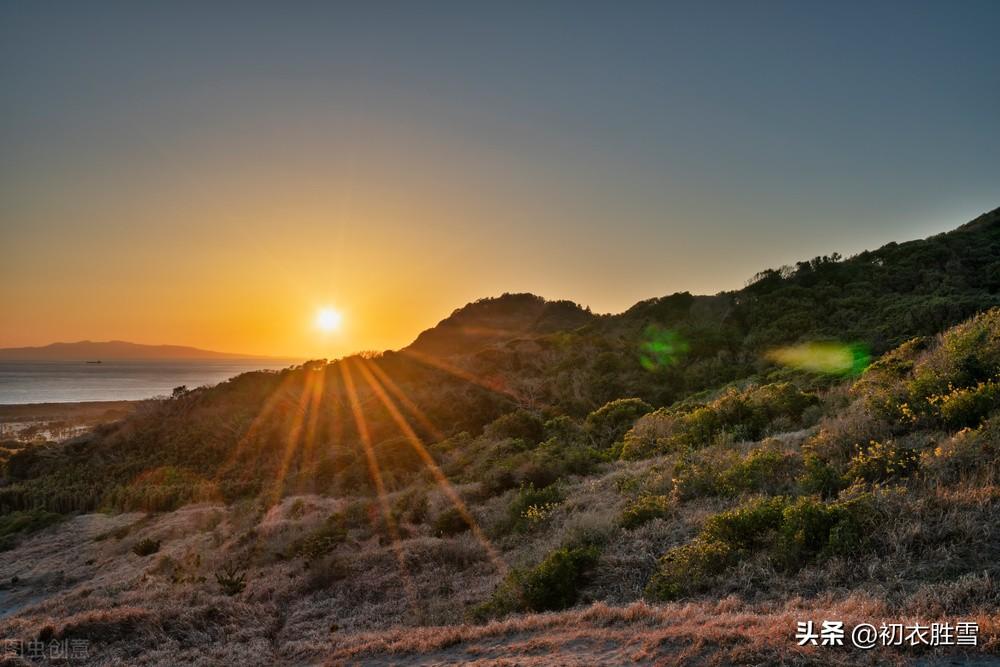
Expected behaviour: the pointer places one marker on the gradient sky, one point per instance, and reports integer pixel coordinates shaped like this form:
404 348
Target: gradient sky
209 176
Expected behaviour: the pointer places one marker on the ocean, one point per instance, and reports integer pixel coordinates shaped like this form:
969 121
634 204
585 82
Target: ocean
71 381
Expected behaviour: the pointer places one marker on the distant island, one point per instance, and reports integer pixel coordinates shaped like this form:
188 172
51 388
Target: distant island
86 350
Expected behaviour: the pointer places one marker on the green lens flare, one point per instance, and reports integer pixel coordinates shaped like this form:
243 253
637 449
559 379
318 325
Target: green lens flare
661 348
829 358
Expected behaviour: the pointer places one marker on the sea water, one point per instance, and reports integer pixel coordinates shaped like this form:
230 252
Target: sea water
71 381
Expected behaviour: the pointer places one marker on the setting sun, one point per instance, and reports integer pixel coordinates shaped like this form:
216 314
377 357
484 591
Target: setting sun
328 319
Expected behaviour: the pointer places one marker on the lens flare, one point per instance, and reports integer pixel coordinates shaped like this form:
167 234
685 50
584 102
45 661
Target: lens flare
661 348
828 358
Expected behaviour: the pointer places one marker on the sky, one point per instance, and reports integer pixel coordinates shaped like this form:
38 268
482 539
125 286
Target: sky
212 174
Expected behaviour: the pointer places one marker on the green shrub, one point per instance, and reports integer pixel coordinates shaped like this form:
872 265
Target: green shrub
811 528
879 462
521 425
791 532
736 415
968 453
762 470
231 579
531 505
819 477
747 526
555 582
969 406
644 509
689 568
606 425
146 547
551 585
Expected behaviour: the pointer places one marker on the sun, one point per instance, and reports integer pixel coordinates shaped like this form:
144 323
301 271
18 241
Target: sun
328 319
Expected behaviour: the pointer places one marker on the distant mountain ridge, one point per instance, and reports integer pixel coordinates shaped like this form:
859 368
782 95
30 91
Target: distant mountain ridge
86 350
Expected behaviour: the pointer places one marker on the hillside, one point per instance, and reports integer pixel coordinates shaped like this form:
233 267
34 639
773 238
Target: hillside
86 350
683 482
490 321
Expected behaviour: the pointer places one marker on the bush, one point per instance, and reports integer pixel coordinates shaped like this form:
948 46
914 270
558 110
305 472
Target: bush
321 541
689 568
811 528
531 505
231 579
710 472
551 585
146 547
747 526
450 522
555 582
644 509
324 573
518 425
880 462
762 470
819 477
969 406
968 453
606 425
743 415
791 532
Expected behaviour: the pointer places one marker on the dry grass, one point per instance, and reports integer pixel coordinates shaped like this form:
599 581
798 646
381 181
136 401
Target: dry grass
351 607
724 633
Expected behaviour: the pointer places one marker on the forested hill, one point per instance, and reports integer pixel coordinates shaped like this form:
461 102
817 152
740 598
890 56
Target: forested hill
880 297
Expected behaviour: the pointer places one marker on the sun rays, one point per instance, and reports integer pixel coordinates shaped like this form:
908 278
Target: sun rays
428 460
313 395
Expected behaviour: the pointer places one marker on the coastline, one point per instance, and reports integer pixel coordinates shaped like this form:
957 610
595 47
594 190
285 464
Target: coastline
32 422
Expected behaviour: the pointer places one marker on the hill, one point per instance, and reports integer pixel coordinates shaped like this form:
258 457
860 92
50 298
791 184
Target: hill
490 321
688 478
86 350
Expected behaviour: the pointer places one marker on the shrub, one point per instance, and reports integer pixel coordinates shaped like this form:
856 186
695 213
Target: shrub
321 541
606 425
521 425
811 528
746 414
496 482
747 526
231 579
879 462
644 509
688 568
792 532
969 406
146 547
551 585
710 472
556 458
450 522
968 453
531 505
555 582
763 469
819 477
